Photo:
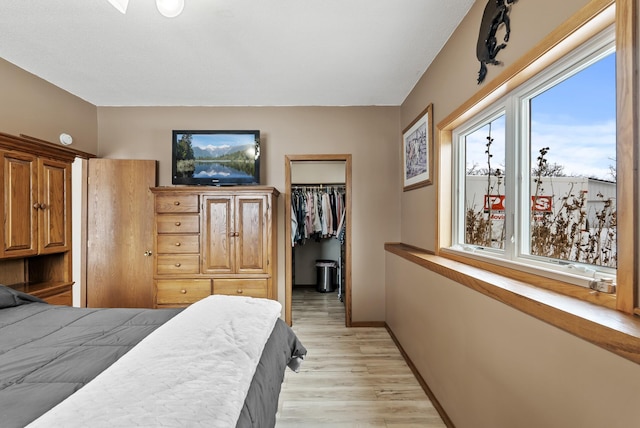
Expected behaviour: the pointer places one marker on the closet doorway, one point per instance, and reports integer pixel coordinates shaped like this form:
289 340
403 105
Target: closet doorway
294 164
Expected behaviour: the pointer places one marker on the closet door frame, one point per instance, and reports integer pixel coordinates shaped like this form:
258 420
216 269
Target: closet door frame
346 158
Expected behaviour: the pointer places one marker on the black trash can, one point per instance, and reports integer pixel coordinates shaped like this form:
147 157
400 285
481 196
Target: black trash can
325 274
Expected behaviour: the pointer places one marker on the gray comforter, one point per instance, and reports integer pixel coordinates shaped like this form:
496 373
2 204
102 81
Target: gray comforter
48 352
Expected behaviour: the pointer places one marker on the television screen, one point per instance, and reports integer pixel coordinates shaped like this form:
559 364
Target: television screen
216 157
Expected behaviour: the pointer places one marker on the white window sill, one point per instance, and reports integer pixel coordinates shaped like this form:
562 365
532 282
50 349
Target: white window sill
569 273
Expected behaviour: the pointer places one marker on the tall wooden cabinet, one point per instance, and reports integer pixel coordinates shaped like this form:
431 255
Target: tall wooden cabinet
214 241
120 233
35 237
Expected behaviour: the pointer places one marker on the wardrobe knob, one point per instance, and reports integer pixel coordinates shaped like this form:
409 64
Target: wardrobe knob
183 291
177 244
178 265
176 203
177 223
240 291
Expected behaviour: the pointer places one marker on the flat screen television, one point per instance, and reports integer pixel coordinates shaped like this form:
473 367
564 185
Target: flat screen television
216 158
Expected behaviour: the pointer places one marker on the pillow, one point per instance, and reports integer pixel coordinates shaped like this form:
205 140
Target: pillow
10 297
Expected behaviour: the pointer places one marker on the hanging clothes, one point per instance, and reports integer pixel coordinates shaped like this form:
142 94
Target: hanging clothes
318 212
294 225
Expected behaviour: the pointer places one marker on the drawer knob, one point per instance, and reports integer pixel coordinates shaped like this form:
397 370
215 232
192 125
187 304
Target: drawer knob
176 203
183 291
177 223
177 244
178 265
239 291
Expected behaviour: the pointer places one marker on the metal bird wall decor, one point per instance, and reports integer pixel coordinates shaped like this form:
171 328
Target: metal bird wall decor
496 13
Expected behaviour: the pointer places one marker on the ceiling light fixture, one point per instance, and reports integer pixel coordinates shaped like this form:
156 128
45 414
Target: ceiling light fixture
121 5
170 8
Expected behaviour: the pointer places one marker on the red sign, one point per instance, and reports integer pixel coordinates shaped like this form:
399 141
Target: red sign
541 204
496 202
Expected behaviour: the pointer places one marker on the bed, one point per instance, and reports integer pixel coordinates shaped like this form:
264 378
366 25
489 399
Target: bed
219 362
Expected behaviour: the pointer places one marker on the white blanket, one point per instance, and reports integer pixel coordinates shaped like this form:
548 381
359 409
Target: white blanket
195 370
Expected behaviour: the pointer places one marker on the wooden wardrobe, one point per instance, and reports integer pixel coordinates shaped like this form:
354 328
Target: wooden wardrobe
35 233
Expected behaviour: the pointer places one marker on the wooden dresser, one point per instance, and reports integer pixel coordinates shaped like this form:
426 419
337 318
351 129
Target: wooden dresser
35 237
214 240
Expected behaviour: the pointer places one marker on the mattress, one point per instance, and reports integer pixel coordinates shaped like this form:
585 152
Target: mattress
49 352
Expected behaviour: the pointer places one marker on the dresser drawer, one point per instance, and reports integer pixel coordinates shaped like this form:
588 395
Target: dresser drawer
60 299
180 292
177 204
241 287
178 244
170 264
55 294
186 223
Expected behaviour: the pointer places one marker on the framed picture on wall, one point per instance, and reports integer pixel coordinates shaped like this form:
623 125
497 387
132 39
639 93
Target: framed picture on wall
417 151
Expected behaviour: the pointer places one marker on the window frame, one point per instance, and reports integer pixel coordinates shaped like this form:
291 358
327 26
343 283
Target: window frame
588 22
479 121
594 50
516 109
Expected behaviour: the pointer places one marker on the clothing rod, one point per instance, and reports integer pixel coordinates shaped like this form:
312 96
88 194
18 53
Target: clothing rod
317 185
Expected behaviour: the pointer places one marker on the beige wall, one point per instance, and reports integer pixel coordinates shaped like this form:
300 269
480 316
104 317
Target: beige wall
314 172
369 134
491 366
39 109
488 364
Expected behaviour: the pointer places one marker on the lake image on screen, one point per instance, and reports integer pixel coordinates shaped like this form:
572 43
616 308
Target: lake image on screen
215 156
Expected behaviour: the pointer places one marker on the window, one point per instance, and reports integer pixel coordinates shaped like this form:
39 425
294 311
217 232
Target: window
535 172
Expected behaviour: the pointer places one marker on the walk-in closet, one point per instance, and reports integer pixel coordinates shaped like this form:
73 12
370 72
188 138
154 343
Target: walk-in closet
318 234
318 224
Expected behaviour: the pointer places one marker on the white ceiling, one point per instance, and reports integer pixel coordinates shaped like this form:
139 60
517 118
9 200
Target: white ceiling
230 52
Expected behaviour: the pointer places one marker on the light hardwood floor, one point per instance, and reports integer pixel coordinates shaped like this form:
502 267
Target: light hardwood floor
351 377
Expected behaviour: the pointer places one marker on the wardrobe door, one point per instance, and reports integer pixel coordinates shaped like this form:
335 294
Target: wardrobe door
219 235
54 227
120 233
251 242
19 218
